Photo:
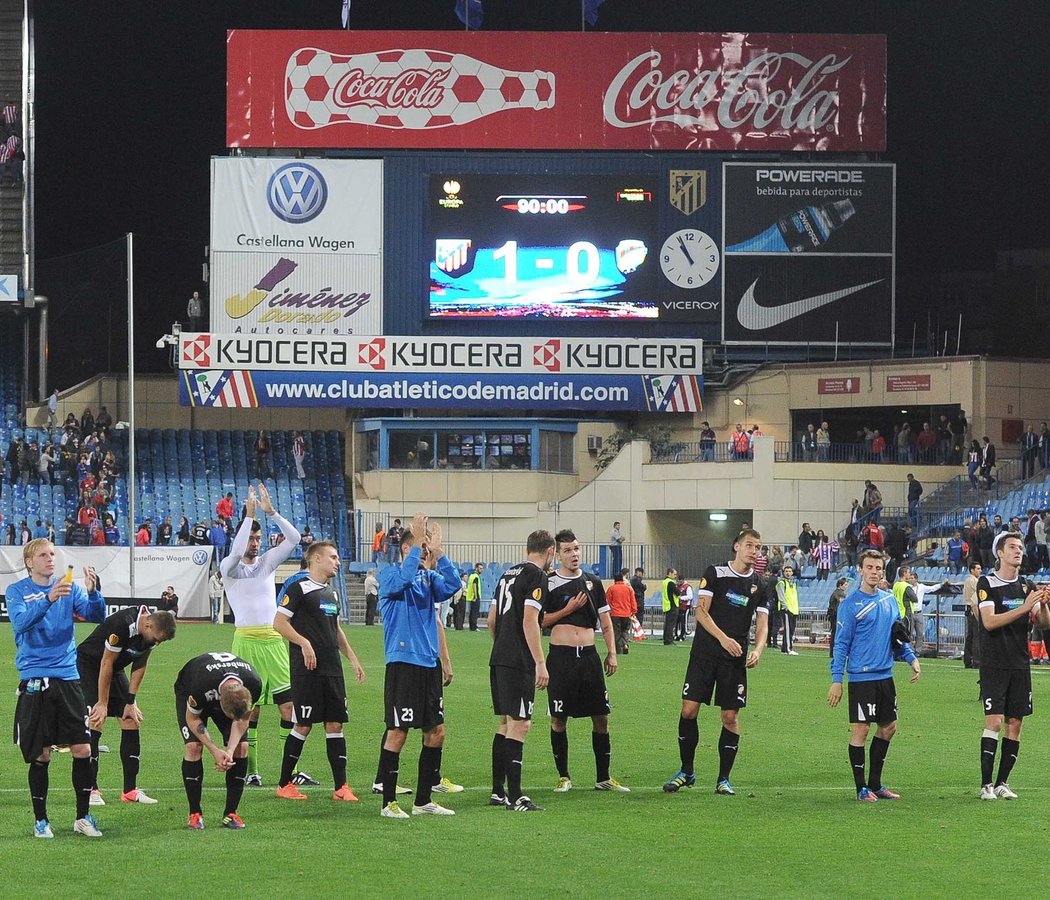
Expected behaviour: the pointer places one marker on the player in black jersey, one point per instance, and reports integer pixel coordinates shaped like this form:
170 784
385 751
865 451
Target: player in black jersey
728 598
575 607
309 618
516 666
221 688
124 638
1006 603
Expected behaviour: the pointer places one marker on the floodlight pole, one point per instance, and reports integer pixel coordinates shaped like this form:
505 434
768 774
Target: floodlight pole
131 414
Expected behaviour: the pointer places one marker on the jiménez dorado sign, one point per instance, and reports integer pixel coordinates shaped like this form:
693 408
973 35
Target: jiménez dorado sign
664 392
429 356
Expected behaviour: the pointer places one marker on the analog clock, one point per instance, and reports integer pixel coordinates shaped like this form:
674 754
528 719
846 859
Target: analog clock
689 258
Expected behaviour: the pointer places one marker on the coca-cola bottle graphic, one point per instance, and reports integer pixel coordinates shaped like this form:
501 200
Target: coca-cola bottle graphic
807 229
414 89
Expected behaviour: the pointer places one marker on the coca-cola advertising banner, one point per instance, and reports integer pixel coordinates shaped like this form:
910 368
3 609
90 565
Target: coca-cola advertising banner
550 90
808 253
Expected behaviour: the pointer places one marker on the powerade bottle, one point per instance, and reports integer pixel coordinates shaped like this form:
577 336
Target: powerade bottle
807 229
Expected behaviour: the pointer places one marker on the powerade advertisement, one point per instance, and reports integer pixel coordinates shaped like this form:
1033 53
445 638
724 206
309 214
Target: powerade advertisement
670 392
808 254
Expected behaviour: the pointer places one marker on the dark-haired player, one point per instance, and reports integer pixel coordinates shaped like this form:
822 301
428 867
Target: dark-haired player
864 648
309 618
574 609
1005 604
124 639
223 689
516 666
728 598
248 579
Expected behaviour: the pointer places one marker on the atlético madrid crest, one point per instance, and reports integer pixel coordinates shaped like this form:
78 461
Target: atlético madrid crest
688 190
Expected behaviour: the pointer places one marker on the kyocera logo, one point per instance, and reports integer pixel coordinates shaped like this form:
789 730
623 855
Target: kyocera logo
546 355
372 354
198 351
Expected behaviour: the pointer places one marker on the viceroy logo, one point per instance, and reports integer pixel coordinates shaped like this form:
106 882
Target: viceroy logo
372 354
297 193
198 351
546 355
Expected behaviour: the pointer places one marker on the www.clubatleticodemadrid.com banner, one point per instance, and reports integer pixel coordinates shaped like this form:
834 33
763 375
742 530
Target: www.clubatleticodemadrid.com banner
433 373
808 255
296 246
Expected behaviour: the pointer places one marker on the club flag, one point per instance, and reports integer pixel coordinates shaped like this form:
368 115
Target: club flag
590 11
470 13
346 13
222 388
673 393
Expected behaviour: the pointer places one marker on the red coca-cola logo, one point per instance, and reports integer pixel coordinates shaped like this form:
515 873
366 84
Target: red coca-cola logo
420 88
772 91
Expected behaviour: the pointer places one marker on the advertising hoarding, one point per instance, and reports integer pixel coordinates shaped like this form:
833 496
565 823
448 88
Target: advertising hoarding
549 90
668 392
808 253
296 245
437 355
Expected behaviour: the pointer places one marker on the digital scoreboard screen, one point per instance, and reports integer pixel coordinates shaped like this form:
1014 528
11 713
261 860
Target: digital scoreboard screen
543 246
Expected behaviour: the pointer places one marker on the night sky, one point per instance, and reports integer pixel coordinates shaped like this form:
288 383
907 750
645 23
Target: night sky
131 106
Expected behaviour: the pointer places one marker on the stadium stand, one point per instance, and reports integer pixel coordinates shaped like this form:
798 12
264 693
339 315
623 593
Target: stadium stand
185 473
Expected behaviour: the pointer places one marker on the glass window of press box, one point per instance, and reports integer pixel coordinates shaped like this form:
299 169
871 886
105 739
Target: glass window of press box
479 444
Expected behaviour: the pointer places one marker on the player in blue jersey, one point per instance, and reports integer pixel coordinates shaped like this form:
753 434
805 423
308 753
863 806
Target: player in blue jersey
417 662
869 635
51 708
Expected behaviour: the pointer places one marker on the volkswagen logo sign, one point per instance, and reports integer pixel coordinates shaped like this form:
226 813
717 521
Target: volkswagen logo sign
200 557
296 193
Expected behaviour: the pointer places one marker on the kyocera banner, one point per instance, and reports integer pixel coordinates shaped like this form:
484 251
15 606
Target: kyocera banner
184 568
605 393
547 90
808 254
428 356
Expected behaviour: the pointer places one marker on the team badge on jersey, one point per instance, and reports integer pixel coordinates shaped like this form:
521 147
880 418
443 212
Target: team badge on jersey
703 583
537 594
982 595
284 600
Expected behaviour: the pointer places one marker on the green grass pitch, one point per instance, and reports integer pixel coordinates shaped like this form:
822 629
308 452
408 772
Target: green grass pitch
793 829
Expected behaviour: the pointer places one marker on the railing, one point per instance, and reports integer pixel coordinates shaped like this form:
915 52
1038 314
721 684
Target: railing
698 451
858 452
690 560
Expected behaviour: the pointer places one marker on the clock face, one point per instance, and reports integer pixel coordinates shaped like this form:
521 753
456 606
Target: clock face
689 258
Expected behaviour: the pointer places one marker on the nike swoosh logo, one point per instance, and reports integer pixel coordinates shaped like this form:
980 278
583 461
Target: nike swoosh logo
757 318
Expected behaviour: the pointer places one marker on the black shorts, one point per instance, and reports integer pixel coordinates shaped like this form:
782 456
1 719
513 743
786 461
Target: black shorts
220 721
872 701
1006 692
49 711
119 689
513 691
412 696
706 675
318 698
577 683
